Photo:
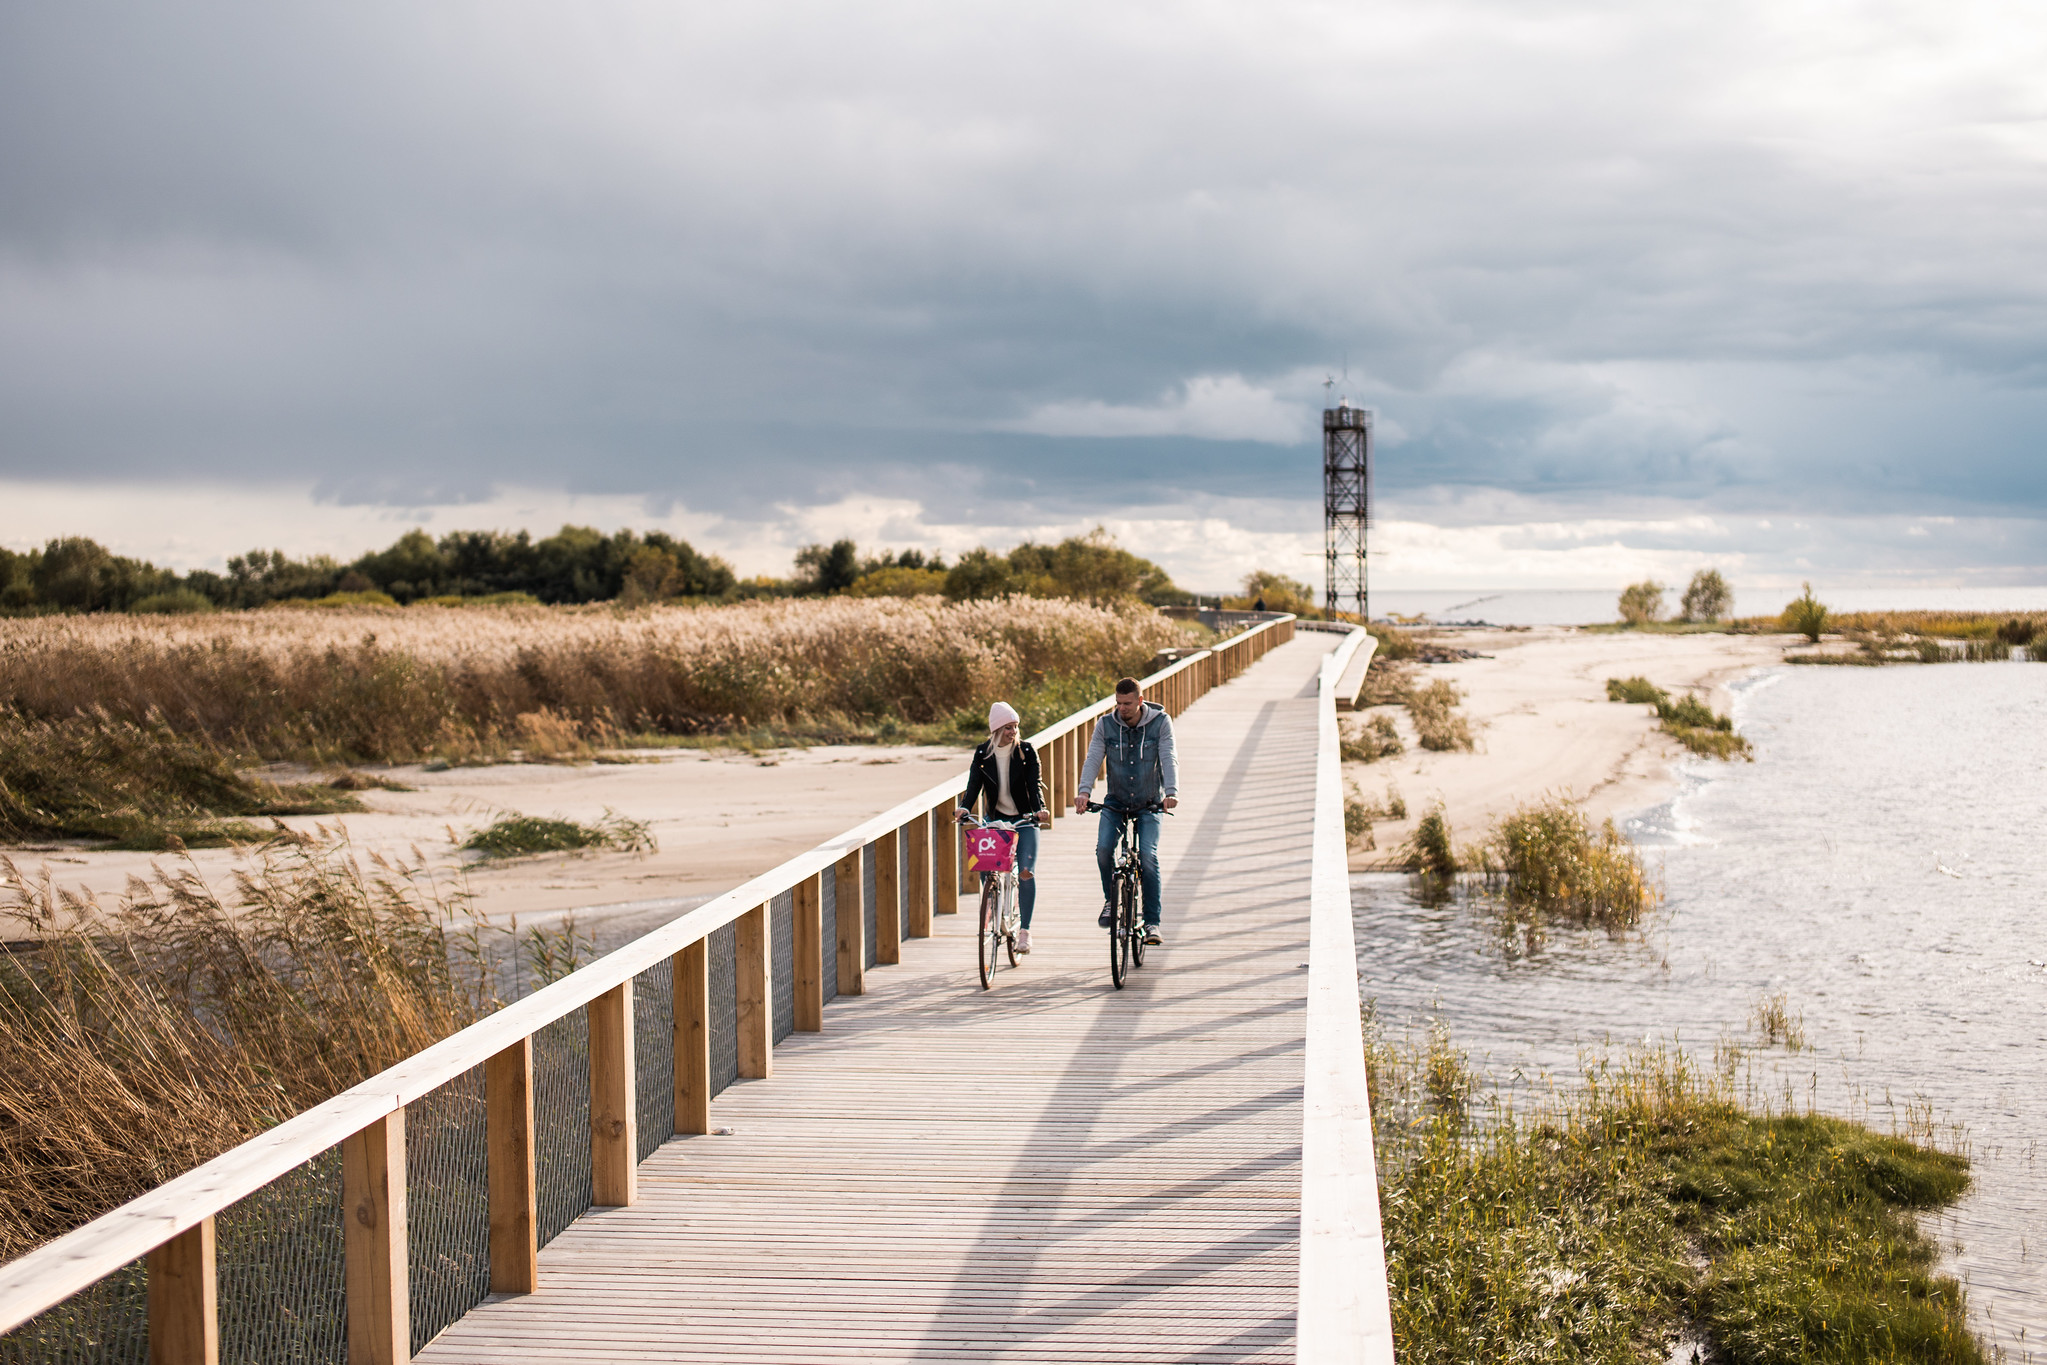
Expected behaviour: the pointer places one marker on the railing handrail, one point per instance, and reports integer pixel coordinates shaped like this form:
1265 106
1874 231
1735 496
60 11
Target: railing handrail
1342 1317
55 1271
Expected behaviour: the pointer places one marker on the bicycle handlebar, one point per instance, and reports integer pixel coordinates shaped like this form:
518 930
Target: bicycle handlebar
968 817
1154 808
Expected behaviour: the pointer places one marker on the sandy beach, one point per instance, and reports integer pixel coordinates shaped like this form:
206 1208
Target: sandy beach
1543 725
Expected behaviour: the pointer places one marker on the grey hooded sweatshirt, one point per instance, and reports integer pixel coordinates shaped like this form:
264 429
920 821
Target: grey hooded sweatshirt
1138 759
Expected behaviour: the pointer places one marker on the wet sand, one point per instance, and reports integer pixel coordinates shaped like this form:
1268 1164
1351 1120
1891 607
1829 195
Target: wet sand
1542 723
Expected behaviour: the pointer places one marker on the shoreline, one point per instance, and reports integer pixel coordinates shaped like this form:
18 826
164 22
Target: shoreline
1542 726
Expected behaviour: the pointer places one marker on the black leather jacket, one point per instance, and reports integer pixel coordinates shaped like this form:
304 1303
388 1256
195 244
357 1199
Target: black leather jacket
1026 787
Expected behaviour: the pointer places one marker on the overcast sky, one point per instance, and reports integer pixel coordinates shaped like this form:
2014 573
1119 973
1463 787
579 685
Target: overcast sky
1634 287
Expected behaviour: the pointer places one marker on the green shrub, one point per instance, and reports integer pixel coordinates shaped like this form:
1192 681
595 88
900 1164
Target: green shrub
1429 851
1636 689
1641 602
1707 599
522 834
1806 615
172 603
1557 867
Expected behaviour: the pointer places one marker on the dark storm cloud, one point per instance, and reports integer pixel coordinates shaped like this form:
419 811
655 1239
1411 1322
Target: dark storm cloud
780 253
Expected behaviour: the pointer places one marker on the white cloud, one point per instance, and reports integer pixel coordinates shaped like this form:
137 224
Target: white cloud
1208 407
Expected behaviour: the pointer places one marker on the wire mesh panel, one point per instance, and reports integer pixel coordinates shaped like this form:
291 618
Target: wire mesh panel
830 937
447 1204
782 959
561 1121
654 1057
107 1324
281 1270
870 901
724 1008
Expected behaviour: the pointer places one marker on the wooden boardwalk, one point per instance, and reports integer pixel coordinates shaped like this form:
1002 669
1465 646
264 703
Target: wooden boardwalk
1052 1170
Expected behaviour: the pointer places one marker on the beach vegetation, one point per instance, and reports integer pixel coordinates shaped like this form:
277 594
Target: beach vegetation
1277 591
138 784
1551 866
1650 1205
1774 1017
1438 724
1641 603
2018 631
139 1041
1636 689
518 835
1706 598
1371 741
1428 850
1805 615
1687 720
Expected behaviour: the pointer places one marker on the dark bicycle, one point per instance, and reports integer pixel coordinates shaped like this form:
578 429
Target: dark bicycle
1126 931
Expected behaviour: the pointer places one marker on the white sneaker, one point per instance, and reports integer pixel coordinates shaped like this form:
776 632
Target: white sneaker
1023 940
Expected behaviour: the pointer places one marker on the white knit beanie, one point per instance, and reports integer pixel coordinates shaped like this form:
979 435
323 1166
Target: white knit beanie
1001 714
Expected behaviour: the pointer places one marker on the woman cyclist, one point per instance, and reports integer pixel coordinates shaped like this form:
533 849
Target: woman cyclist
1005 770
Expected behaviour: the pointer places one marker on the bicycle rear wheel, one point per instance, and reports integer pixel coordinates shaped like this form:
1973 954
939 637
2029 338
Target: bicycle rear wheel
991 929
1119 932
1011 920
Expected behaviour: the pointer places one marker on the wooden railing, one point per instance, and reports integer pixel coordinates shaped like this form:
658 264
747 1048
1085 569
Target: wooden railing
917 851
1343 1316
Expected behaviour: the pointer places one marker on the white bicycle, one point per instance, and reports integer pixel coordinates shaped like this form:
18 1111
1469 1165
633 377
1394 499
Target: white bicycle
994 856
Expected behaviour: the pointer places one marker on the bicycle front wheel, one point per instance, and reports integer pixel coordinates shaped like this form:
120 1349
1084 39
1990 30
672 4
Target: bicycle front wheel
1119 932
1010 921
991 930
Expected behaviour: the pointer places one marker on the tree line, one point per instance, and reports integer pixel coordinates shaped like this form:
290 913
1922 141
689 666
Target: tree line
577 564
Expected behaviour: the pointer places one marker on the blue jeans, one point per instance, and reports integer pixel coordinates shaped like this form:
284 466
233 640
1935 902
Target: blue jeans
1026 861
1147 858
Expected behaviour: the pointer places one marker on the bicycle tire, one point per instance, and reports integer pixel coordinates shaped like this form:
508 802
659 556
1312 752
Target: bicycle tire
1009 913
1136 936
990 930
1119 941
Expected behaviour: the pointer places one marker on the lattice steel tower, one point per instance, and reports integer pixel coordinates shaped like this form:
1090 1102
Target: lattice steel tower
1347 507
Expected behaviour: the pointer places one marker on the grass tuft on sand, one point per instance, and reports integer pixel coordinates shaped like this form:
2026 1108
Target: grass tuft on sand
518 835
1650 1204
1556 868
1687 720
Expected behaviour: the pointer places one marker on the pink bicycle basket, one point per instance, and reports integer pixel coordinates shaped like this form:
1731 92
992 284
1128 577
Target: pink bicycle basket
991 850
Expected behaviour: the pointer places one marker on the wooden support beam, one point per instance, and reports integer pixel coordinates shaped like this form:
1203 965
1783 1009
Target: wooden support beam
809 916
754 992
184 1300
888 898
514 1193
614 1127
376 1276
918 872
945 854
849 900
692 968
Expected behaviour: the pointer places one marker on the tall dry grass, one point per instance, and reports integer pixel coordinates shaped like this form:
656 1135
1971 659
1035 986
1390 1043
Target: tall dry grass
139 1041
391 685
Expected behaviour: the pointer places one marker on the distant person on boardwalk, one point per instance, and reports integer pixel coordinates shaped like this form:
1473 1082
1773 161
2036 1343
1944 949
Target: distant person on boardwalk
1005 769
1259 605
1133 746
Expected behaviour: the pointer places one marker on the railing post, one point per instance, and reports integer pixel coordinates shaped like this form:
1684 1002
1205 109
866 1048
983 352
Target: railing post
377 1279
184 1299
508 1146
918 858
888 898
851 915
614 1131
945 859
809 917
692 973
754 993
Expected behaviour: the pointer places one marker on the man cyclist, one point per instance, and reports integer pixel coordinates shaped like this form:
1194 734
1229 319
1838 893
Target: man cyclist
1005 767
1133 746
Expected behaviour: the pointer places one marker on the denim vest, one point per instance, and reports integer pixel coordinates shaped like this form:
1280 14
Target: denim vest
1130 760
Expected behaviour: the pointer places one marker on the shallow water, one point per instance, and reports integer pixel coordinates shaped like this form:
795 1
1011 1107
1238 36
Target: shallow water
1573 606
1883 863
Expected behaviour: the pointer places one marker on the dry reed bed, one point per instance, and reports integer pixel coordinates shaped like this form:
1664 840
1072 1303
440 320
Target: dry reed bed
391 685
